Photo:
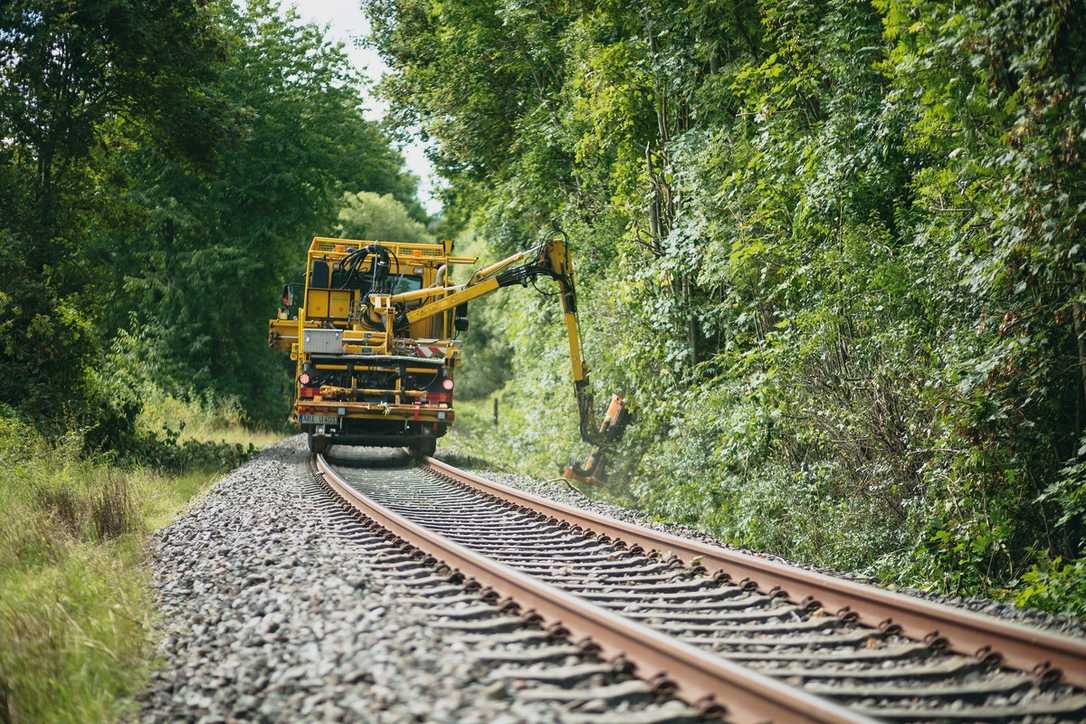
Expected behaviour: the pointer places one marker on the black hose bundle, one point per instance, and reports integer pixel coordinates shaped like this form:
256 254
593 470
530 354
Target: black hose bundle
379 269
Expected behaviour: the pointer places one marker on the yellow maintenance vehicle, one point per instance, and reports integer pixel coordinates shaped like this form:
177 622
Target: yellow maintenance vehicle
373 331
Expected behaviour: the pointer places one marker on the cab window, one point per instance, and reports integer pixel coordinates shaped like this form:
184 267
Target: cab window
405 284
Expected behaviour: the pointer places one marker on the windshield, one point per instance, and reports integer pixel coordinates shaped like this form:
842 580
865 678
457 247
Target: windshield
405 284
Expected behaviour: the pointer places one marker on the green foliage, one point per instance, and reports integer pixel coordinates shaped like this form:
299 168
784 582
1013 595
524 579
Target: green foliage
68 71
487 357
831 251
1055 585
235 230
168 453
162 167
370 216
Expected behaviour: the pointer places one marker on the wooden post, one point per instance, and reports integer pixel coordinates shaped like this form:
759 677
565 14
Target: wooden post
495 412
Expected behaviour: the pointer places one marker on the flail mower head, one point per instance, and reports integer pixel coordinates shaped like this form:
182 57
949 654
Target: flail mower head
614 423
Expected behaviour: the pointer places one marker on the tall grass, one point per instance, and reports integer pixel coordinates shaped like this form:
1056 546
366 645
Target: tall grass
73 603
76 606
201 420
74 634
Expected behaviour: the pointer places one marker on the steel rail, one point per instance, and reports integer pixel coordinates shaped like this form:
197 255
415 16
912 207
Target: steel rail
1039 652
700 677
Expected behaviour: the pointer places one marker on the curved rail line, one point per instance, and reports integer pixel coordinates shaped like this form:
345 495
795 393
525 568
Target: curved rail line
701 677
1039 652
725 628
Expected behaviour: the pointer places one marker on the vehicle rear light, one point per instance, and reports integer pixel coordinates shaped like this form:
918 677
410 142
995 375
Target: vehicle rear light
304 378
447 383
434 397
308 392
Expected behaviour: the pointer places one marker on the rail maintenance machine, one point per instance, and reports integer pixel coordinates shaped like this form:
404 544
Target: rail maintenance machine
373 334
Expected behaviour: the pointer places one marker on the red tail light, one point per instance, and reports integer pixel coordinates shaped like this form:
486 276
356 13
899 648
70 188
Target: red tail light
447 383
304 378
436 397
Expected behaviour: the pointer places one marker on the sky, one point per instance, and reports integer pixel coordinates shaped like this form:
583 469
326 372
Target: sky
346 23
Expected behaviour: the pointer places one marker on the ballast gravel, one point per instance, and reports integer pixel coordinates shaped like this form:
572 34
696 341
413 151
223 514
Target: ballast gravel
560 491
267 617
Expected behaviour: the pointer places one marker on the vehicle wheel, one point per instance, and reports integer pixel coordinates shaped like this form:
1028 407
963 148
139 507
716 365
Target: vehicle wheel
318 444
424 448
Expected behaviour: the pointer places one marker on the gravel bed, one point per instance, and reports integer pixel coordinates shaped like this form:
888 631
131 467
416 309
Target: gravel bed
267 617
561 492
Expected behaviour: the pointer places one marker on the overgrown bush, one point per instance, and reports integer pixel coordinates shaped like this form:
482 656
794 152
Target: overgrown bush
172 431
168 452
1055 585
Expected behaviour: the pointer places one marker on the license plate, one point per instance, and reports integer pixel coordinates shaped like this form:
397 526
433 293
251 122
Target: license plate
318 419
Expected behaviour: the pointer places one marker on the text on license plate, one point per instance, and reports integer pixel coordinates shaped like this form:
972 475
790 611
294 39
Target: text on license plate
318 419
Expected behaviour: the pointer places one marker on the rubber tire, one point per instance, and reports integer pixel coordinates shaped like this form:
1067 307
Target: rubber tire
318 445
424 448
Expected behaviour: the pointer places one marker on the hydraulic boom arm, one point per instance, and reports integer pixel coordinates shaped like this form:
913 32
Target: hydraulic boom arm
549 259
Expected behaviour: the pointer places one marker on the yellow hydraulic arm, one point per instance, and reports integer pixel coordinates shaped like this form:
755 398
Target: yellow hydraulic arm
550 259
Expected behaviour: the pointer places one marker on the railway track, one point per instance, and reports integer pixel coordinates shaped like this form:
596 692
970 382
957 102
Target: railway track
759 639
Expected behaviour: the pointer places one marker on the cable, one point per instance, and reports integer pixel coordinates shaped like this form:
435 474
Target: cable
353 263
545 295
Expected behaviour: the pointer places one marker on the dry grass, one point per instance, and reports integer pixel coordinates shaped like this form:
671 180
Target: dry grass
113 511
64 506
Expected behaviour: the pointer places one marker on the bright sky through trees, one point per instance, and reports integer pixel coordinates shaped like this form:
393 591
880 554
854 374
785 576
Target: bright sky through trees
346 24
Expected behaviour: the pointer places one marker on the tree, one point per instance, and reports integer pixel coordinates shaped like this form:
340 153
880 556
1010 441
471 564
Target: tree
66 71
163 165
213 243
366 215
833 250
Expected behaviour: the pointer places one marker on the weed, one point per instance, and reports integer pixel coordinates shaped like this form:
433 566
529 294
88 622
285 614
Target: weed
64 506
113 511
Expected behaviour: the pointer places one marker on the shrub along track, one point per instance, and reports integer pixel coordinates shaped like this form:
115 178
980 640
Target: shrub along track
761 639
